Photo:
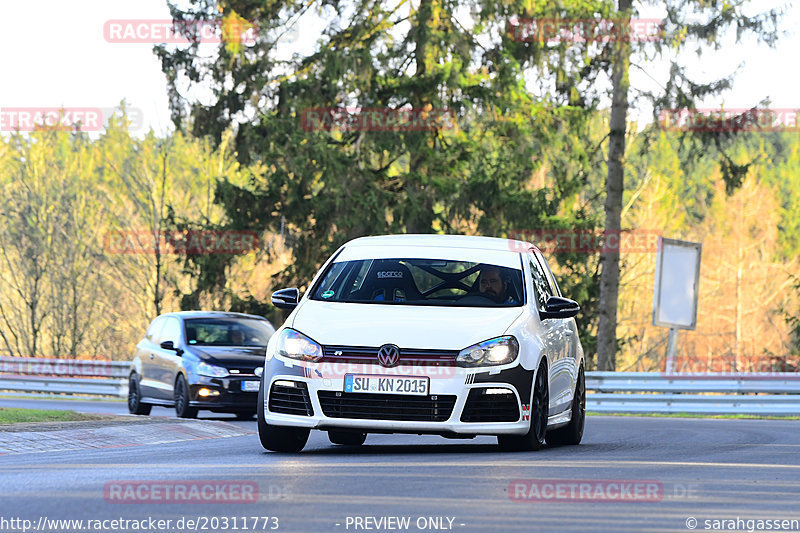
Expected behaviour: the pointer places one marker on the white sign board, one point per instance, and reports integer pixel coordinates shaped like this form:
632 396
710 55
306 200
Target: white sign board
676 286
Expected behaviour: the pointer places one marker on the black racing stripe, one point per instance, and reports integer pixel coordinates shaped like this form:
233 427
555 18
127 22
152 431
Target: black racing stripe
517 377
278 367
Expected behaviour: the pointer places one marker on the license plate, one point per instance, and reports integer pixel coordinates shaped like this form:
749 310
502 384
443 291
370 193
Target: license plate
386 384
250 386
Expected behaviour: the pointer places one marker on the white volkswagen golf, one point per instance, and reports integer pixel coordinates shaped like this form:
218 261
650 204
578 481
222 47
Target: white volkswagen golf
426 334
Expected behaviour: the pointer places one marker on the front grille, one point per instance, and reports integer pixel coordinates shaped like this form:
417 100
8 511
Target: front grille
290 400
236 371
481 407
408 356
434 408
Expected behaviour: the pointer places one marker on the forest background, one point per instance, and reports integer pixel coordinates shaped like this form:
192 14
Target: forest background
95 229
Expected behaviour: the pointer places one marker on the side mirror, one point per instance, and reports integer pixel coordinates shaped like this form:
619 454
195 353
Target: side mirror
286 298
557 307
169 345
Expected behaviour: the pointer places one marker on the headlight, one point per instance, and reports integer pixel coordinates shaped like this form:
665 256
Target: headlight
497 351
204 369
295 345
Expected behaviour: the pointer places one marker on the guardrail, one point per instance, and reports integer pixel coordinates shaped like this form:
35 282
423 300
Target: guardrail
607 392
775 393
64 376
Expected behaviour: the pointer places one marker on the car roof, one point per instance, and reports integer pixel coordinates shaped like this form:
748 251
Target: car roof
212 314
448 241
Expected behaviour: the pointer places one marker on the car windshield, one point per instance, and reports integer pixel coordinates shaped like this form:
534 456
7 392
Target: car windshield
228 332
421 282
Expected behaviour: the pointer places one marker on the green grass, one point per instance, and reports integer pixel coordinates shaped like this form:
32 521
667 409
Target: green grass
698 415
13 415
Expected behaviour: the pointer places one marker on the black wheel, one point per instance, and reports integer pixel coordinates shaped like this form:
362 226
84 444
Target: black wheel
572 432
245 415
347 438
182 408
278 438
534 439
135 405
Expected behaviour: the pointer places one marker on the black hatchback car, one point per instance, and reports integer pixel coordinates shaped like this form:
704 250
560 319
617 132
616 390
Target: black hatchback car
196 360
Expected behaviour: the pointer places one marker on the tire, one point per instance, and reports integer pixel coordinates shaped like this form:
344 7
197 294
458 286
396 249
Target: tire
347 438
572 432
135 405
245 415
534 439
182 408
278 438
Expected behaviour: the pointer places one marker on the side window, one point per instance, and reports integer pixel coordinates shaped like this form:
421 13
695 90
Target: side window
333 278
549 273
154 330
343 279
541 288
172 331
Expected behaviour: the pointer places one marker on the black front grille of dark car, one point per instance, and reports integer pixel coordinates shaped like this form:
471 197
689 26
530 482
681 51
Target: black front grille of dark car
241 371
290 400
408 356
481 407
432 408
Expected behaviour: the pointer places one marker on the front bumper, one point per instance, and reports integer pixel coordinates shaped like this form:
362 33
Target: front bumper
449 386
223 393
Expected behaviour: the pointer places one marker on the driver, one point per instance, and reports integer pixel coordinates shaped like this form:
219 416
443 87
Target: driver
493 284
237 337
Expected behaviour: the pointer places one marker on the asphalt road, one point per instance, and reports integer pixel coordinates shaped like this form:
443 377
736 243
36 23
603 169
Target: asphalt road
630 474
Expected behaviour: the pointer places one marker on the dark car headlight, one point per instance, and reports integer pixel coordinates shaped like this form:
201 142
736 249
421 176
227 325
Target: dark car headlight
497 351
212 371
295 345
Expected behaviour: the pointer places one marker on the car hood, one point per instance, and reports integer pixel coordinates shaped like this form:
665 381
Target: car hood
436 328
230 357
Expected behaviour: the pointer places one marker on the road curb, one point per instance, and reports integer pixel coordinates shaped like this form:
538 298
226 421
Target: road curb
120 432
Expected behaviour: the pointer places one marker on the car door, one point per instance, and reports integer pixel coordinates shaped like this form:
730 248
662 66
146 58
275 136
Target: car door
167 361
146 351
555 337
572 343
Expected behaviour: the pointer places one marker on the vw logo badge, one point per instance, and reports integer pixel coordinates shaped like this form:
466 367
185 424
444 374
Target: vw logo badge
388 355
